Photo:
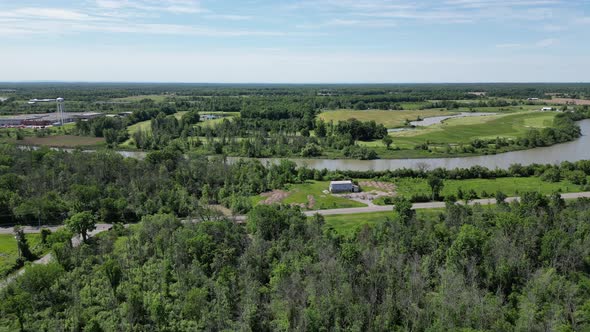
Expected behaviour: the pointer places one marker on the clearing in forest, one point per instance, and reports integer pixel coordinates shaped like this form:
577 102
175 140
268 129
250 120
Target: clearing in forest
465 130
390 119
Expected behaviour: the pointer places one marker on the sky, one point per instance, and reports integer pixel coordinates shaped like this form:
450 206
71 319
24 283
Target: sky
295 41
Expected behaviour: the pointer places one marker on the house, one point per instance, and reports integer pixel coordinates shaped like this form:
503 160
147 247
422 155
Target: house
343 186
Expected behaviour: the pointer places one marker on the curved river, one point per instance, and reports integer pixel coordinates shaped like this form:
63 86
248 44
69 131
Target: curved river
571 151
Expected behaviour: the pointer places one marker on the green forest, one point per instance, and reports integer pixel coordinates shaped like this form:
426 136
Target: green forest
516 267
173 262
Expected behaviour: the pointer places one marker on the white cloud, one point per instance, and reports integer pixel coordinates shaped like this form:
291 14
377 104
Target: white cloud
355 23
47 13
547 42
544 43
171 6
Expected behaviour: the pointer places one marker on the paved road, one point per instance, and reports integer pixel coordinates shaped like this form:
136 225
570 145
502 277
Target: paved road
35 229
76 241
430 205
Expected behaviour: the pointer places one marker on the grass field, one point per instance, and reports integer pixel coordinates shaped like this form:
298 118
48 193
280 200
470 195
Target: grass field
465 130
390 119
347 223
9 251
145 126
510 186
65 141
215 122
299 195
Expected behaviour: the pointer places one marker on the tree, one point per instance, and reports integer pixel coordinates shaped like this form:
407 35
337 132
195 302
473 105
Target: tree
403 208
436 185
500 197
24 252
321 130
387 140
82 223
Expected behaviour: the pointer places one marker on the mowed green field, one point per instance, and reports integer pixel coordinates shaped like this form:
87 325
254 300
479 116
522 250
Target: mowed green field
300 194
145 126
511 186
9 250
390 119
346 224
465 130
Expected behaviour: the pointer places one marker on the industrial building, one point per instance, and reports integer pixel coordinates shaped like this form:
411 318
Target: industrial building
343 187
44 120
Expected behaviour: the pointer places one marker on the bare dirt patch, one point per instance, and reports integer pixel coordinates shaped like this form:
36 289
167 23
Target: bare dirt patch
385 186
273 197
310 201
566 101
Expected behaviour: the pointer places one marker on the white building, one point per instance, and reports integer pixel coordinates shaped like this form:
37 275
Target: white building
547 109
342 186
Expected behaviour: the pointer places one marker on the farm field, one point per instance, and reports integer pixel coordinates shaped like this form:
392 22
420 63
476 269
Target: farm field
346 224
465 130
310 196
566 101
511 186
390 119
9 251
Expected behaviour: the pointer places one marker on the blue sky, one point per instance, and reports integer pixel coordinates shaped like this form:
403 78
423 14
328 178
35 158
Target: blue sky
296 41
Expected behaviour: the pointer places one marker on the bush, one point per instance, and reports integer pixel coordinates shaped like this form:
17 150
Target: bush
420 198
576 177
551 175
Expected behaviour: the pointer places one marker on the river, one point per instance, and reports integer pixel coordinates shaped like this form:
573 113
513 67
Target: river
571 151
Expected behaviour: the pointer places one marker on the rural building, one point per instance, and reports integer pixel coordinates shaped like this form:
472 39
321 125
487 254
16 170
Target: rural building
547 109
205 117
45 119
342 187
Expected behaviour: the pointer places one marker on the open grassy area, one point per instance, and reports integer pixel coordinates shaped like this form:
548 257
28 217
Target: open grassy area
465 130
390 119
145 126
310 195
510 186
214 122
347 223
9 251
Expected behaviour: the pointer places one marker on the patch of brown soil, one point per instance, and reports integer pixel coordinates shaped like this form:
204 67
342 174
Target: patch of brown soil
275 196
385 186
310 201
566 101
